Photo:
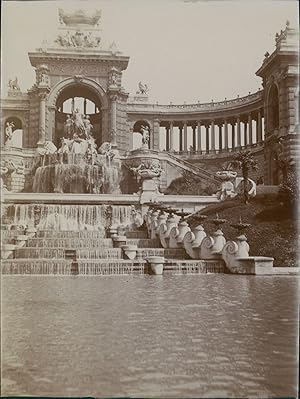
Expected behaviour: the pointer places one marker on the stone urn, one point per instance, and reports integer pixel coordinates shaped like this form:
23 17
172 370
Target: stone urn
21 240
130 251
156 264
113 232
7 250
119 241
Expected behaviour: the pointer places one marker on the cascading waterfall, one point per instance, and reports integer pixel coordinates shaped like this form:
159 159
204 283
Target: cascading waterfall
69 178
70 217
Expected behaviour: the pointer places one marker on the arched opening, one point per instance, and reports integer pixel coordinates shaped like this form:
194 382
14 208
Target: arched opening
13 132
83 101
137 133
273 108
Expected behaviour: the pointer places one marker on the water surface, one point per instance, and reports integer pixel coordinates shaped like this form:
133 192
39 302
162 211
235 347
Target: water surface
160 336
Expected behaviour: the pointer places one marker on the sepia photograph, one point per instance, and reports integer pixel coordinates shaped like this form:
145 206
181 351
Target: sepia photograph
150 183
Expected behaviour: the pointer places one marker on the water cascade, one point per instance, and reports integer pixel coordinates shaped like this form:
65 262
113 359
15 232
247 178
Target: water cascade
70 218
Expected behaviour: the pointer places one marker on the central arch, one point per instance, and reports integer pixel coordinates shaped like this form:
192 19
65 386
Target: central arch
77 92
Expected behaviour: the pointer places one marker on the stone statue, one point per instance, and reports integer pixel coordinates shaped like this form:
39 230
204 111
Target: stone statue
13 84
87 126
78 123
9 132
68 127
143 89
44 79
146 135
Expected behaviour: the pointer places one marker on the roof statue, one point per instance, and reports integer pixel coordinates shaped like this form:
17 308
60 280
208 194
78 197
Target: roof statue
143 89
13 84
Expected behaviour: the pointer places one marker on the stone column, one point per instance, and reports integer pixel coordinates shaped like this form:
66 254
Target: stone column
233 135
238 122
250 129
84 106
258 128
156 135
185 136
207 138
113 115
199 148
167 138
226 134
42 117
245 133
212 126
220 138
171 137
194 138
180 138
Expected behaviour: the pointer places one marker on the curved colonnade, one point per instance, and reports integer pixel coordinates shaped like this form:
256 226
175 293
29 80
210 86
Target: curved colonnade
199 129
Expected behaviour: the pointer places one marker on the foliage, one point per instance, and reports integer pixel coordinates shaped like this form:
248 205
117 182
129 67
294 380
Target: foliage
245 161
289 189
189 184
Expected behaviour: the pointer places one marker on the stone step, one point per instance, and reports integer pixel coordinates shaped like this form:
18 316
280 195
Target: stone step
144 242
75 243
195 266
106 267
70 234
60 253
167 253
137 234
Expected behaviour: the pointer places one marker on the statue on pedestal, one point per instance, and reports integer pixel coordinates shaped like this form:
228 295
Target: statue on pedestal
143 89
13 84
9 132
146 135
87 126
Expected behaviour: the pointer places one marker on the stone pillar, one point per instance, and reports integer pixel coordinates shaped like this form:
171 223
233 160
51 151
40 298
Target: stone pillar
156 135
199 148
212 126
113 114
220 138
42 118
207 138
84 106
167 138
238 122
171 137
226 134
185 136
245 133
194 138
180 138
233 135
250 129
258 128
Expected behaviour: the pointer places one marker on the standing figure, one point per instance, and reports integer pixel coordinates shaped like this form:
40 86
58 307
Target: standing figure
9 132
79 128
88 126
68 127
146 135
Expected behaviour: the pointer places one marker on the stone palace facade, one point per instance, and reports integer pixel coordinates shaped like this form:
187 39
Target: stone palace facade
205 135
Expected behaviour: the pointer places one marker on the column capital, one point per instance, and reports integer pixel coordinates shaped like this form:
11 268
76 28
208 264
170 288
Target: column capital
113 97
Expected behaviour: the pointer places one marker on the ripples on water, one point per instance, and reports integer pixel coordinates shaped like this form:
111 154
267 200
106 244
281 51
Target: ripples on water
160 336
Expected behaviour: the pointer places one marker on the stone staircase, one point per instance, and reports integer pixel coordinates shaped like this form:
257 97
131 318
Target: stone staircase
91 253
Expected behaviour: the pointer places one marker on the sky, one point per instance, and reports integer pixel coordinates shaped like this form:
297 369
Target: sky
184 50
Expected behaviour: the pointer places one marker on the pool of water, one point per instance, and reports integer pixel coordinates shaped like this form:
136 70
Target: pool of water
159 336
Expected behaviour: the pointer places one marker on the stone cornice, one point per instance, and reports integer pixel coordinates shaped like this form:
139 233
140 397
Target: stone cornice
241 105
37 58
